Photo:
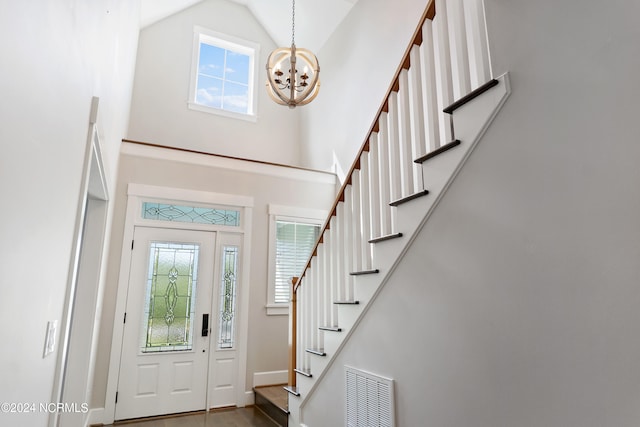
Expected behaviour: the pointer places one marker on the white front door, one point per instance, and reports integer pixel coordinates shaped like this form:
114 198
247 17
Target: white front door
164 361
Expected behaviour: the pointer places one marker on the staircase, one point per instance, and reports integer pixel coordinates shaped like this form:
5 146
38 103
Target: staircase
438 106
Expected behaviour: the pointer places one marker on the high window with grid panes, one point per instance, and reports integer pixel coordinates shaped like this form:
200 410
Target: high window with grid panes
223 75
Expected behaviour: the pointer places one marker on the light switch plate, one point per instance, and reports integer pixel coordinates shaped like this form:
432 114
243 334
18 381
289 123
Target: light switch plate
50 338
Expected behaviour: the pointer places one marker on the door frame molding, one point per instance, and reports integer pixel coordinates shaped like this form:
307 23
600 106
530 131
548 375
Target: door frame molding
136 194
81 322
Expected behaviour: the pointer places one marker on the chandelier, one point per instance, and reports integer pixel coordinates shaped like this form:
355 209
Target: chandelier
290 87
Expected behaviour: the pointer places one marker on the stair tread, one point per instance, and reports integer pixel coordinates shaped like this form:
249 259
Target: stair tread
470 96
363 272
437 151
292 390
330 328
385 237
305 372
318 352
352 302
409 198
274 395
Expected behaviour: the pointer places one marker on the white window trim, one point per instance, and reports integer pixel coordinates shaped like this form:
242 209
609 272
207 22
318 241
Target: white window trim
285 213
230 43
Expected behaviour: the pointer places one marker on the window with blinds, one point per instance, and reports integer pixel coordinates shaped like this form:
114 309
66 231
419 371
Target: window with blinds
294 243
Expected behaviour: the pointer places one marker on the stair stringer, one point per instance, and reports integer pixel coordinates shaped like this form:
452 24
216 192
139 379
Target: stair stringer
471 122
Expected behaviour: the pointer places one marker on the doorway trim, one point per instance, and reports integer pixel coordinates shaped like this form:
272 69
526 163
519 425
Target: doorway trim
80 323
136 194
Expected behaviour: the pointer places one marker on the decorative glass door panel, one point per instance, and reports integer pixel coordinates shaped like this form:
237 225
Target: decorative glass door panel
228 288
169 308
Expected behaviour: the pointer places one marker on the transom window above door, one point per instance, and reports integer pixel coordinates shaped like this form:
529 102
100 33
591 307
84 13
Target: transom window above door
223 75
190 214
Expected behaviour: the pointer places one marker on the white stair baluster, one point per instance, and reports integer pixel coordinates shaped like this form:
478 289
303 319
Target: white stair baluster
329 281
416 116
393 154
320 283
312 319
339 257
356 214
350 223
300 330
365 208
444 88
429 91
459 51
306 297
373 190
315 313
405 136
384 176
477 43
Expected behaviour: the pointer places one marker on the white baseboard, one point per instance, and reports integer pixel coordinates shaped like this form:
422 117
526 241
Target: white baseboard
249 398
270 378
95 416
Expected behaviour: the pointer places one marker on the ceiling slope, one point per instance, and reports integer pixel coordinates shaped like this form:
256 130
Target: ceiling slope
314 24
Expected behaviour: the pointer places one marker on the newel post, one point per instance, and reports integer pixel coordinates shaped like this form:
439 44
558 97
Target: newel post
292 331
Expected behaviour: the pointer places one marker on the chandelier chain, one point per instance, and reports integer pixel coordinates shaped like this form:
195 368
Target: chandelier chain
293 22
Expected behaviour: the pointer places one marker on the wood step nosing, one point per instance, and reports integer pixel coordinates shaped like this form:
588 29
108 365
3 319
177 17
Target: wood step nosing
470 96
304 373
330 328
408 198
356 302
316 352
292 390
387 237
446 147
363 272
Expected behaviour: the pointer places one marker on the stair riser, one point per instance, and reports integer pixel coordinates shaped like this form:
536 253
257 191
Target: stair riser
271 410
303 384
318 364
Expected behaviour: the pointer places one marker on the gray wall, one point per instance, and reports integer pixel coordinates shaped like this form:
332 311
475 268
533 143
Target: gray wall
518 303
357 65
268 335
56 55
159 112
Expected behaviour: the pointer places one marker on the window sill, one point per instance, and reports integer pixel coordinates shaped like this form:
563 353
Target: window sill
277 309
247 117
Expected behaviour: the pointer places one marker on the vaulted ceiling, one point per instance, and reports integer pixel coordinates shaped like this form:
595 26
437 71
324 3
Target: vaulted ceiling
314 23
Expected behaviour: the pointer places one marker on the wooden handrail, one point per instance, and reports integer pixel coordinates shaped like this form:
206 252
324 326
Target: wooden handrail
429 13
222 156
